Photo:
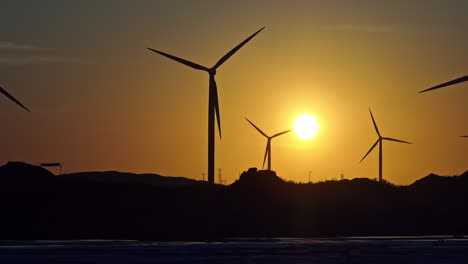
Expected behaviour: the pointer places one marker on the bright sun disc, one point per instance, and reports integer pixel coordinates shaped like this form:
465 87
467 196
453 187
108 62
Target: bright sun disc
305 126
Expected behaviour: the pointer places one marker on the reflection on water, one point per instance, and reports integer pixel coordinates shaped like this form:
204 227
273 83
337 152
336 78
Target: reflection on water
432 249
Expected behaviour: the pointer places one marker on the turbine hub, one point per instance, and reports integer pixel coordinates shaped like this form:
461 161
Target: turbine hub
212 71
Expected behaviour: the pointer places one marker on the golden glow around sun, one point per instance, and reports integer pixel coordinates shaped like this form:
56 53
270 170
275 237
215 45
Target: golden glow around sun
305 126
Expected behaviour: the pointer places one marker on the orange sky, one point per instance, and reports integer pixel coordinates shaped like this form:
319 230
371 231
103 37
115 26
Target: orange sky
101 101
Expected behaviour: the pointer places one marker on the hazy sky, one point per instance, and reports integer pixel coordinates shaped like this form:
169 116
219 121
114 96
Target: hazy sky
101 101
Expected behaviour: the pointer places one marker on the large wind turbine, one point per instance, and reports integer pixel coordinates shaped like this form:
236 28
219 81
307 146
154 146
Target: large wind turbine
213 104
268 146
379 141
3 91
452 82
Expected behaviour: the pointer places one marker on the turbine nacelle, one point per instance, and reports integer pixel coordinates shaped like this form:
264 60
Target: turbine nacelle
212 71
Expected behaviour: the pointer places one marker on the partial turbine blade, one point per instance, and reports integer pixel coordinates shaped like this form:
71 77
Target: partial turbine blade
256 127
266 153
373 146
373 121
230 53
464 136
281 133
396 140
185 62
214 90
3 91
459 80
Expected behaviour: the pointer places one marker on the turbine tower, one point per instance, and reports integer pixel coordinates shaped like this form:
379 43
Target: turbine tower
379 141
213 104
3 91
452 82
268 146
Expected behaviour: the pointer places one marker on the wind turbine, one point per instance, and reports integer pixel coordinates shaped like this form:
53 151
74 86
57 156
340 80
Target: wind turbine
213 104
268 146
452 82
3 91
379 141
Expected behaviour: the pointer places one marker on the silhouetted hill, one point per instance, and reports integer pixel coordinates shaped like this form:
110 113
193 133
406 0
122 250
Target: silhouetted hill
21 172
114 205
430 180
254 178
433 182
464 176
130 178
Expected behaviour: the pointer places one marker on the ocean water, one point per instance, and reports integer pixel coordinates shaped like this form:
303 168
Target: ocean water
281 250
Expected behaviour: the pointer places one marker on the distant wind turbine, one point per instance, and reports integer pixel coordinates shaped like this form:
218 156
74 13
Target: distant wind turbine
3 91
268 146
379 141
213 104
456 81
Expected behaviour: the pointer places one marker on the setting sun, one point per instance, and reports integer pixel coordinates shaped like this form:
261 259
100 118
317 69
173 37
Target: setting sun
306 126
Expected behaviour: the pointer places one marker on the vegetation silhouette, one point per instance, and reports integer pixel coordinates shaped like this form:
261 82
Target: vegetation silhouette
379 141
4 92
213 103
268 146
38 205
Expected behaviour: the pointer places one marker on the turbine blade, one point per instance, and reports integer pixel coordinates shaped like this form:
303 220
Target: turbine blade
3 91
396 140
373 121
266 153
214 90
185 62
459 80
261 132
373 146
281 133
230 53
464 136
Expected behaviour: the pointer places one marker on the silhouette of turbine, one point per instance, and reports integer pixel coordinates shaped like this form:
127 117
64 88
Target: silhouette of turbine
268 146
379 141
213 104
456 81
464 136
3 91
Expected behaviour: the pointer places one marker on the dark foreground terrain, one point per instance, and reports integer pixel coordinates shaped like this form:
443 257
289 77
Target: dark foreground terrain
281 251
35 204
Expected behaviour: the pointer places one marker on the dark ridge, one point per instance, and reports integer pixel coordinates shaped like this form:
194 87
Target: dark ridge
430 180
436 182
254 178
130 178
15 171
114 205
